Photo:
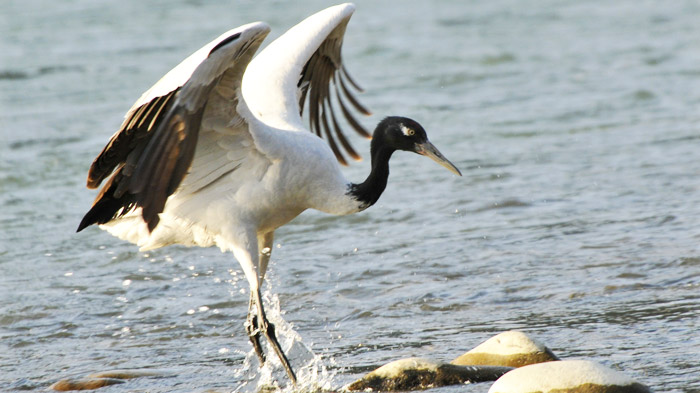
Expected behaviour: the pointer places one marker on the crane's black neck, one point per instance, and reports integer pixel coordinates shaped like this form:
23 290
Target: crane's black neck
369 191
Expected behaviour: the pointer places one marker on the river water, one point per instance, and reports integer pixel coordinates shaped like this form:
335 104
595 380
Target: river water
577 220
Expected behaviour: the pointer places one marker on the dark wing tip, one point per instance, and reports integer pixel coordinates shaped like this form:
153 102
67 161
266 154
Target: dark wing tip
108 203
83 224
95 215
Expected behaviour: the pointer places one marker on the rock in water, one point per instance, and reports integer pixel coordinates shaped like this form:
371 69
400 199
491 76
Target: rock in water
566 376
509 349
419 373
102 379
66 385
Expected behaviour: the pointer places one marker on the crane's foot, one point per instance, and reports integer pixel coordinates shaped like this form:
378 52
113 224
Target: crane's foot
251 326
257 324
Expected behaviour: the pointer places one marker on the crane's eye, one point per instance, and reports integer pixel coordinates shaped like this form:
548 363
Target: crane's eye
407 131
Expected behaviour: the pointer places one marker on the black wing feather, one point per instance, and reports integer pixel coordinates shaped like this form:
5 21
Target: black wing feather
164 162
135 130
147 159
324 68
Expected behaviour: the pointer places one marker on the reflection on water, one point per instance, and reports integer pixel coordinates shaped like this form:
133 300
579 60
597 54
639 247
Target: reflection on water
575 126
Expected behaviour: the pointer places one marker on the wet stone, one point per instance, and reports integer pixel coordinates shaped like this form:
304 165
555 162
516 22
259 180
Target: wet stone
566 376
102 379
508 349
66 385
419 373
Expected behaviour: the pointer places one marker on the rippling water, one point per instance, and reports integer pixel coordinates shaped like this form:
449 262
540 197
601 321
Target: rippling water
576 126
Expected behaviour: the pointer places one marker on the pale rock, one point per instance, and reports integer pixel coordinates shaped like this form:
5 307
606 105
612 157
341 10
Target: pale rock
509 349
566 376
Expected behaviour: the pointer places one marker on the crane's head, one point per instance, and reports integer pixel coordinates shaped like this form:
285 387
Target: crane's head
402 133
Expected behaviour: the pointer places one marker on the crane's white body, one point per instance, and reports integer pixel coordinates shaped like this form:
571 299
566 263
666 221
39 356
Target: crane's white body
255 166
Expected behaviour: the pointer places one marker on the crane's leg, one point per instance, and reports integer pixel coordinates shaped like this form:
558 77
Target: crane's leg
268 329
251 324
254 263
265 249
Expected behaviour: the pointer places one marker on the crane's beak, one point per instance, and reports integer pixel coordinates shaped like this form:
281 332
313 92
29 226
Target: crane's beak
429 150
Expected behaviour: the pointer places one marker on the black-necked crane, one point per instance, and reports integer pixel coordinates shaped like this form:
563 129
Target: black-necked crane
216 152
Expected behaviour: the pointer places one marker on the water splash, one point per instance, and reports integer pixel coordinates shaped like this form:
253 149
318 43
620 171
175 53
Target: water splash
312 370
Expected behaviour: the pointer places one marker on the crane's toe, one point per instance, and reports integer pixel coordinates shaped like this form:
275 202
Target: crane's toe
251 326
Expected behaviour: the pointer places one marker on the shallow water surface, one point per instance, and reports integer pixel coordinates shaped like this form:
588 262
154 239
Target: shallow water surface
576 126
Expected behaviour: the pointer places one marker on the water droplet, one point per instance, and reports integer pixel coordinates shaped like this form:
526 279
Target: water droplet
126 283
190 311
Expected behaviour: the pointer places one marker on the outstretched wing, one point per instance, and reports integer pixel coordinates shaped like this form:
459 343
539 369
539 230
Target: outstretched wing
311 77
324 67
152 151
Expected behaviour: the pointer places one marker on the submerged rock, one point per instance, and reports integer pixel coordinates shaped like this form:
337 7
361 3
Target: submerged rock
102 379
66 385
566 376
419 373
509 349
